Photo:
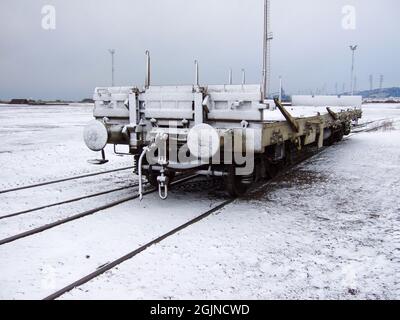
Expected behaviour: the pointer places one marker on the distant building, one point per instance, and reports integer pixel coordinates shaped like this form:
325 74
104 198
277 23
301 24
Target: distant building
19 101
87 100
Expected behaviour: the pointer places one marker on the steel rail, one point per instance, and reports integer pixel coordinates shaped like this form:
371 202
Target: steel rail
65 202
135 252
63 180
108 266
382 125
82 214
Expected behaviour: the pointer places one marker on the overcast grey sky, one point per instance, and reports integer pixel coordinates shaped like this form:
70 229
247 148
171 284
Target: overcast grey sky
310 46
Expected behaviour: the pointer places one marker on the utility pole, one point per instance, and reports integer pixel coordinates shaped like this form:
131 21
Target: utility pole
381 83
196 77
353 50
112 52
267 37
336 88
371 82
280 88
147 80
355 84
265 53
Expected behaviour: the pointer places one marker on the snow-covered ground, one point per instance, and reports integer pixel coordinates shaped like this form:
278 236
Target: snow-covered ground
330 229
40 143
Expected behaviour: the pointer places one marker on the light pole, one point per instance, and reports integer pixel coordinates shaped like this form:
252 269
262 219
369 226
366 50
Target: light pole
265 53
112 52
353 50
371 82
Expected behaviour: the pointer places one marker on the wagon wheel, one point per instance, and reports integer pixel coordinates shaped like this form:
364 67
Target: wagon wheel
347 128
331 140
290 158
237 185
339 135
272 169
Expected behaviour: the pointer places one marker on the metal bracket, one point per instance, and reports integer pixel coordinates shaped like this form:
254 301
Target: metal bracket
162 184
334 115
292 121
140 163
120 153
277 138
101 161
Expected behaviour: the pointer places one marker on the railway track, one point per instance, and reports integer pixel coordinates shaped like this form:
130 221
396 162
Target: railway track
66 202
63 180
135 252
83 214
383 123
369 122
110 265
91 211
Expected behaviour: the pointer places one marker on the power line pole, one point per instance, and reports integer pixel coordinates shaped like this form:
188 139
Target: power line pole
381 83
112 52
267 37
371 82
265 53
355 84
353 50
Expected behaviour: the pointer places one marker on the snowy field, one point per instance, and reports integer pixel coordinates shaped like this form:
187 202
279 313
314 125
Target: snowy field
328 230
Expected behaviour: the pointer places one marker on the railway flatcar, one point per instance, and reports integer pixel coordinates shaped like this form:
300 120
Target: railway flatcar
231 131
216 130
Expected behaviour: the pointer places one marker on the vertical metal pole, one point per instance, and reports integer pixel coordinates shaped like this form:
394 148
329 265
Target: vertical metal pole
112 58
148 70
355 84
353 50
112 52
230 76
243 77
352 73
265 53
371 82
280 89
196 78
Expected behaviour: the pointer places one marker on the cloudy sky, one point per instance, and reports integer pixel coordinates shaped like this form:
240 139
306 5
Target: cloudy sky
310 47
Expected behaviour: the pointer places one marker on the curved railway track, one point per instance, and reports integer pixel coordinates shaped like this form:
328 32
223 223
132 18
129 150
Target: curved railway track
63 180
